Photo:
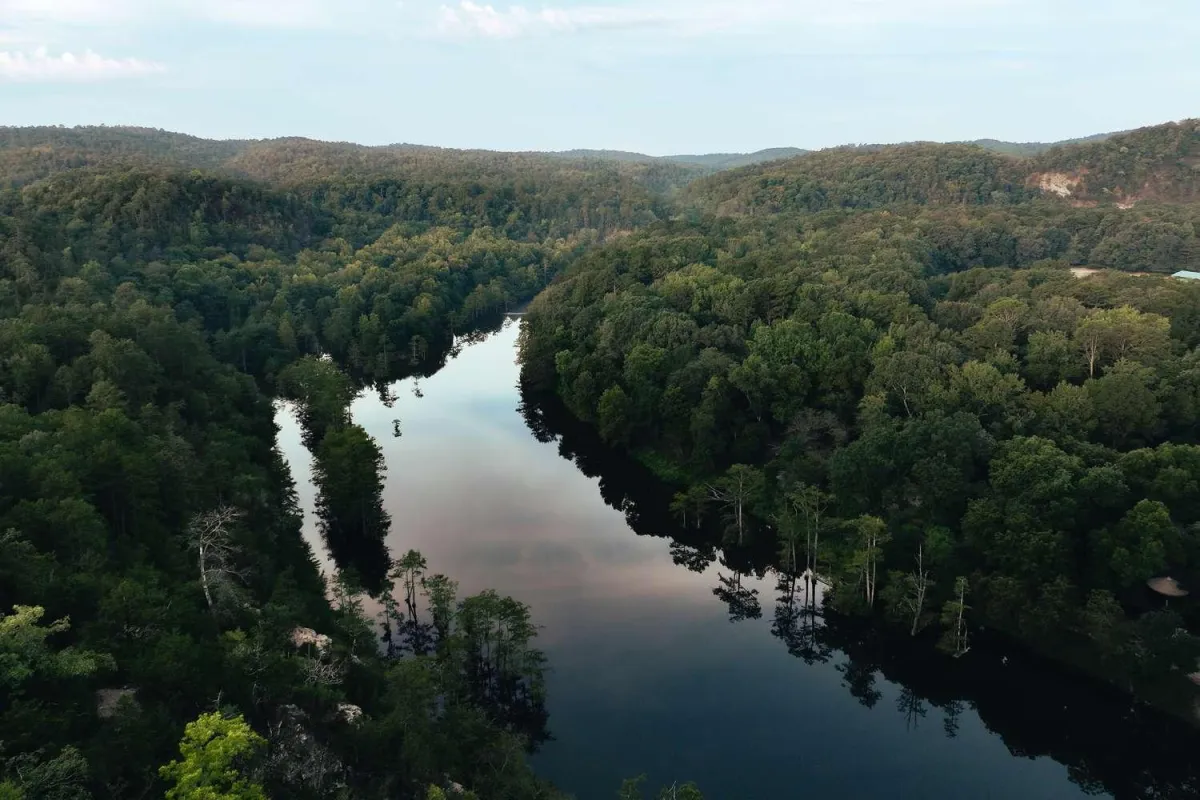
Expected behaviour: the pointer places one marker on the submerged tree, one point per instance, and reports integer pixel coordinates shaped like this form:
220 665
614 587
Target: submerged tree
870 536
954 640
810 503
907 593
789 530
690 505
739 488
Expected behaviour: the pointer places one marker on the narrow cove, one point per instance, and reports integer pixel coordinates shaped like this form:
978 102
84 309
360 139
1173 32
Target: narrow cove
648 672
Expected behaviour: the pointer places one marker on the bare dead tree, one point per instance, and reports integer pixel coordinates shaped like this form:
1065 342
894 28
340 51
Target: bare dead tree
734 492
323 673
298 758
920 587
210 536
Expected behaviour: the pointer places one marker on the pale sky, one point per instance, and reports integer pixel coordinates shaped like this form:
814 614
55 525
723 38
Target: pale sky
657 76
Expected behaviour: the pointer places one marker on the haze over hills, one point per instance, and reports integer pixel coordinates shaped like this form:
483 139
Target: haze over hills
1036 148
721 161
713 161
84 145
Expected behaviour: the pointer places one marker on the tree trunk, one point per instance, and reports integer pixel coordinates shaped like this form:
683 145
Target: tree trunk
959 635
204 579
921 586
741 530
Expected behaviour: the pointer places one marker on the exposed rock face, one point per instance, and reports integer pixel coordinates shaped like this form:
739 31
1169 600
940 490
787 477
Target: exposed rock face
350 713
107 701
1058 183
303 637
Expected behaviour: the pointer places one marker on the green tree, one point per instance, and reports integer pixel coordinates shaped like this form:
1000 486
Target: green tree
217 756
614 412
1109 335
1050 358
870 536
1127 408
1142 544
25 651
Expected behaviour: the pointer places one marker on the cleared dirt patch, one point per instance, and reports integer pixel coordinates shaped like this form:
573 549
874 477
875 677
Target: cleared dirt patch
1083 272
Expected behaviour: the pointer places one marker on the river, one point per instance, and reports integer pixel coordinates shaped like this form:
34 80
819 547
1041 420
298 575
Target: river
650 675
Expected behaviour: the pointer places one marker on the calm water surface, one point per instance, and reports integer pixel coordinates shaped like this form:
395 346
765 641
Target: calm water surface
650 675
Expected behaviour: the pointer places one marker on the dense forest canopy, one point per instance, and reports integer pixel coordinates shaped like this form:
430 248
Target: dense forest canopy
1147 165
875 357
880 361
151 567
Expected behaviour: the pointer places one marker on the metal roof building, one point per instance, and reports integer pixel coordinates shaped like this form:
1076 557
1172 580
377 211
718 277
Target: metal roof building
1187 275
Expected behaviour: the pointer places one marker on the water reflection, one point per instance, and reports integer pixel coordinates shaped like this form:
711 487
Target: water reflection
1110 744
649 673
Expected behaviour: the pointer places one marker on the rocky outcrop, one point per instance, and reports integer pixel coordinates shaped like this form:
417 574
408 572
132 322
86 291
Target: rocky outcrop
108 701
307 637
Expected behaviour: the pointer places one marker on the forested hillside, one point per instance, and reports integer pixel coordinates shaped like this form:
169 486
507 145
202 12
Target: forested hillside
879 362
1037 148
151 566
872 358
1150 164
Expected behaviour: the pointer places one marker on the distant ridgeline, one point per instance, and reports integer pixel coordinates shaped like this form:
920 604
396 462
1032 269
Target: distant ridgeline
874 359
878 361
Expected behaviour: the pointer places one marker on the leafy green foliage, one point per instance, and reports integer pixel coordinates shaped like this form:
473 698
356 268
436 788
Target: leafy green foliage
148 314
885 334
216 753
898 328
25 654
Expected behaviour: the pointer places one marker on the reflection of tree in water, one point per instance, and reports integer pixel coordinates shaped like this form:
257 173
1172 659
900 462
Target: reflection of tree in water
951 711
422 356
742 601
348 465
912 707
1036 708
1107 746
695 559
798 616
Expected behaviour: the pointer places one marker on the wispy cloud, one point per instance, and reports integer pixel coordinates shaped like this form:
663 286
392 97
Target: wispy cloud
242 13
472 19
40 66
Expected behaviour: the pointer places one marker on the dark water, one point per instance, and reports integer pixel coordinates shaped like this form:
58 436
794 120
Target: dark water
649 673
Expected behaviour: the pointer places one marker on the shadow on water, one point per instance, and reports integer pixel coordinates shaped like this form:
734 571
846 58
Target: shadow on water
1109 743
